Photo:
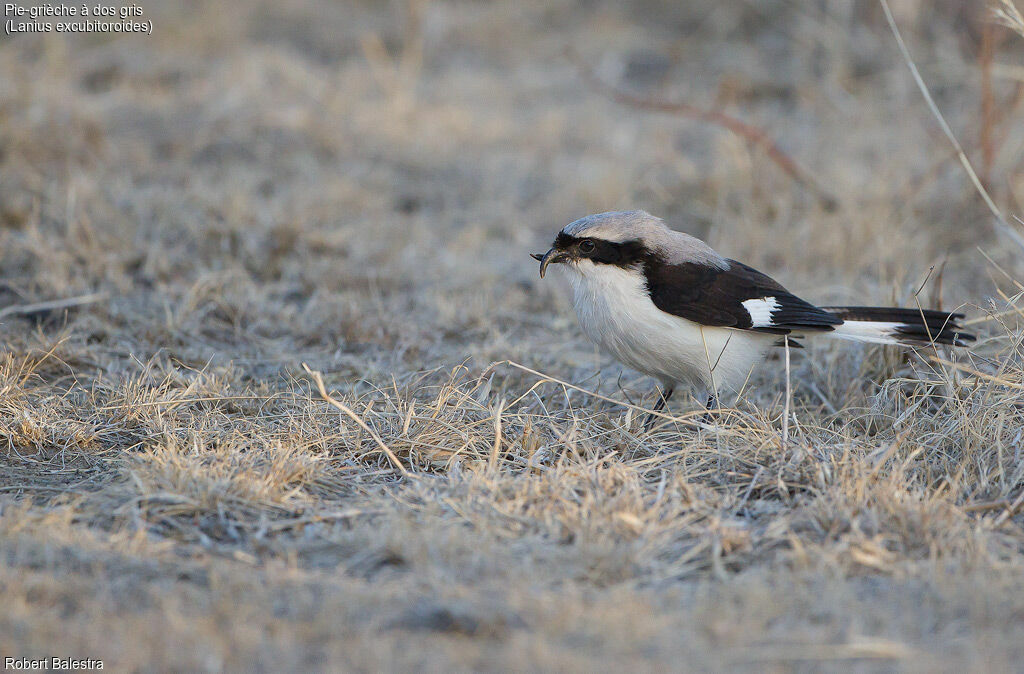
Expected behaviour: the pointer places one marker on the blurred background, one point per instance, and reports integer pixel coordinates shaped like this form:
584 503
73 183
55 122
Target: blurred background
371 175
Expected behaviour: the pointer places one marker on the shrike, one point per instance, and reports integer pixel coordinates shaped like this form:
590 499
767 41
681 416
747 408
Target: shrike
666 304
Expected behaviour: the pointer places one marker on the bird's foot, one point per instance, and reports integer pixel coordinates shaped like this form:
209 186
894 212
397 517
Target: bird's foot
663 397
712 407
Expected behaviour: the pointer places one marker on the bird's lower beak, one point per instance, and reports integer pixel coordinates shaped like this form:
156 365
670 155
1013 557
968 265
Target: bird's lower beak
552 256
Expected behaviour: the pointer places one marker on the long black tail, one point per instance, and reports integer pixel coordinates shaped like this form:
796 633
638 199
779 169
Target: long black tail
886 325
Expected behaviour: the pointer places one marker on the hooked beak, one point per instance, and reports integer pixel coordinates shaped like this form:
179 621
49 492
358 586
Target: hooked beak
552 256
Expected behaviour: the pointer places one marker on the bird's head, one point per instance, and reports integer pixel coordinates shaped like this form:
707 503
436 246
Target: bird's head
620 238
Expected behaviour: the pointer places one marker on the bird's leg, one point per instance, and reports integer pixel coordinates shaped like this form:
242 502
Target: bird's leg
711 406
663 397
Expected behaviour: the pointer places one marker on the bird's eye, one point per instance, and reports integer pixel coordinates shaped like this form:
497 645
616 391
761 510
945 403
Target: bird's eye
587 246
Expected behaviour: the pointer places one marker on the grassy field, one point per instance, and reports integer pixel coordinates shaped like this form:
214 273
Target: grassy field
356 186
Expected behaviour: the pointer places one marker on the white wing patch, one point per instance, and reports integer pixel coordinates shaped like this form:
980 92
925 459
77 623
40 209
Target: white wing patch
760 311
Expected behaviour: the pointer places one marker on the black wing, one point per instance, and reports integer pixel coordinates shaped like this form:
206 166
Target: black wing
714 297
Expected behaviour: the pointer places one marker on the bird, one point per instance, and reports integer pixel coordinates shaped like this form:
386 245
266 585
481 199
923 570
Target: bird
664 303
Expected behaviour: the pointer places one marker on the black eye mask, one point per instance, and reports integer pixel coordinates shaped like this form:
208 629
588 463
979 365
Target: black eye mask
622 254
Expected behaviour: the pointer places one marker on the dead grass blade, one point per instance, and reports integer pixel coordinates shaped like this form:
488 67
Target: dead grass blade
867 649
53 305
977 373
964 161
1007 14
789 397
636 408
319 381
1010 511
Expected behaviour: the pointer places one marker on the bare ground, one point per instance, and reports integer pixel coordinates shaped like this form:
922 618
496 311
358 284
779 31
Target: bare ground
356 186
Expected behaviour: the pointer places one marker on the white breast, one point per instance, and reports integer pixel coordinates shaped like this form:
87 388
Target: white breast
616 312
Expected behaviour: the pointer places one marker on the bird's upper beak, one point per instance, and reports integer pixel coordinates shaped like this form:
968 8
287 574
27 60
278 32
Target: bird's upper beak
552 256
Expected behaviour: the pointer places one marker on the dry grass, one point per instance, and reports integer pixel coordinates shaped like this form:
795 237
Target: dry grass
188 218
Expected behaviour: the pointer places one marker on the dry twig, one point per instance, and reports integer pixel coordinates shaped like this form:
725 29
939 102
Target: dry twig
754 135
